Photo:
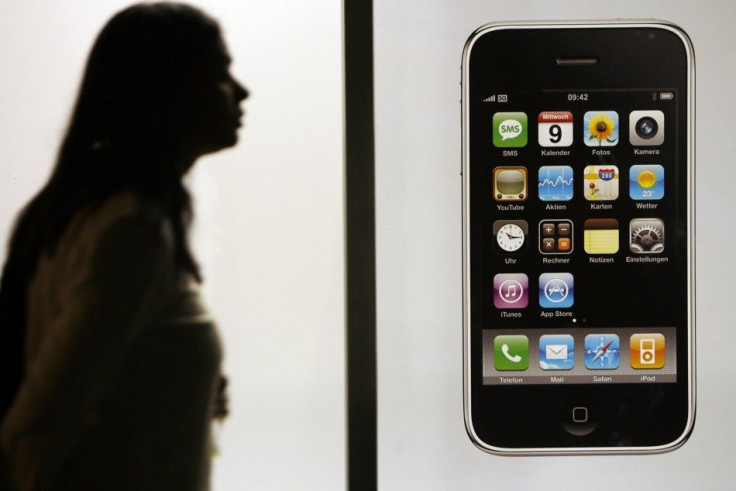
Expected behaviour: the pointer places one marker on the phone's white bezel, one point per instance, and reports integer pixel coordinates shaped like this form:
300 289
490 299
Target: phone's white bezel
467 389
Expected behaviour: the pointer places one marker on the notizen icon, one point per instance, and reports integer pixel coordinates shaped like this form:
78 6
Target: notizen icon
600 236
510 290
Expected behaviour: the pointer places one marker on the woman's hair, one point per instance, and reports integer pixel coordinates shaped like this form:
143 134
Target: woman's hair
122 135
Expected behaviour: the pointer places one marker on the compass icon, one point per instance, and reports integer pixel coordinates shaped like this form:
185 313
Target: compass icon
602 351
646 236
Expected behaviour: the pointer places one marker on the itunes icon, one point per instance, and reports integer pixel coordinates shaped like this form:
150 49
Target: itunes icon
510 290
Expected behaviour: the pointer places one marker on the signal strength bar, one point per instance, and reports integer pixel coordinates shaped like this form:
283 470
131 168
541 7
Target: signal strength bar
497 98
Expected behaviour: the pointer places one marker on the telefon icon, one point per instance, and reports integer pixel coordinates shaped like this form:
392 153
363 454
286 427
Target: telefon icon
505 351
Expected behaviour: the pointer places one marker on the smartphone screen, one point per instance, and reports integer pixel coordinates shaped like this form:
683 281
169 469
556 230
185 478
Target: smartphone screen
578 238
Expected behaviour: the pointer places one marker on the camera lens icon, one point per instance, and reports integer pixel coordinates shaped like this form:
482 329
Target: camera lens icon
646 128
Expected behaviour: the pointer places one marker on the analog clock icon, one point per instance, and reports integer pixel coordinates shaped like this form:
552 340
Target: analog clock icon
510 235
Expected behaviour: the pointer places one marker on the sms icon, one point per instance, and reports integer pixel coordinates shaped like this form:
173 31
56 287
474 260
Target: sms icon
510 130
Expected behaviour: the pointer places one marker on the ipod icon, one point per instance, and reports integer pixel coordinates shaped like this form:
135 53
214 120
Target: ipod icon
647 351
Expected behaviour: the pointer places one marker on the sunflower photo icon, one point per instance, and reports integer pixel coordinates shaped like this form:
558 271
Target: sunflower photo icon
601 128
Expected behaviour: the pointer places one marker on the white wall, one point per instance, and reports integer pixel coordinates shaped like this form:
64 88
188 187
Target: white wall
269 231
422 442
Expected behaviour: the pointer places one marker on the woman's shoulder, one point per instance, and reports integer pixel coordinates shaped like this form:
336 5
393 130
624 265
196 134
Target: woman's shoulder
125 220
126 206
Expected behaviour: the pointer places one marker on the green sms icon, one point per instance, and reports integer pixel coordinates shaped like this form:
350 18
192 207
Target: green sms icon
510 130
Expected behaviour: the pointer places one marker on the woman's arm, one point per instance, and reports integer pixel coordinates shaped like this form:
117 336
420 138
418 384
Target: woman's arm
111 294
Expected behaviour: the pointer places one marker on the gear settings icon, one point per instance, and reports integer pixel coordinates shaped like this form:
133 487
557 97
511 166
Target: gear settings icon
646 236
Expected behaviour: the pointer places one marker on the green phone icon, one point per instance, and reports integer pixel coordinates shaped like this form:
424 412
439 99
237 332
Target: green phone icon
511 352
510 130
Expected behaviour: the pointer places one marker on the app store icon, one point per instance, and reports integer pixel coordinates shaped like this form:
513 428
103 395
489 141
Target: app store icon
556 290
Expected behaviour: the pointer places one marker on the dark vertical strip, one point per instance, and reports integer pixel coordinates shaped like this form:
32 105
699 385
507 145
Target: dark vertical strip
361 245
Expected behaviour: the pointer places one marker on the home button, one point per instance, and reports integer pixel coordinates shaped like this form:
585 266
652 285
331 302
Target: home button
580 421
580 414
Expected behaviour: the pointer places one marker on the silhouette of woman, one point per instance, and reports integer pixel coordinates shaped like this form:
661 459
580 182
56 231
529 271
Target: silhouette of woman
118 376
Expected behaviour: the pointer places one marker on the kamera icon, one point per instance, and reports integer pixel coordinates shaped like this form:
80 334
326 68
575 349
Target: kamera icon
646 128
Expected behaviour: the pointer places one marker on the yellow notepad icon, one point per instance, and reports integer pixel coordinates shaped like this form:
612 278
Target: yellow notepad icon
600 236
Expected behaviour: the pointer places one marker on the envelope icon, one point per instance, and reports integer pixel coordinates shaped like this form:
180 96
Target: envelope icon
556 352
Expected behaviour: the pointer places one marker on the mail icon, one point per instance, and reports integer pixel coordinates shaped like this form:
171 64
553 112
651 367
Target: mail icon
556 352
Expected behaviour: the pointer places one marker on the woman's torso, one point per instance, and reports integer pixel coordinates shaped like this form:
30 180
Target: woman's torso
147 425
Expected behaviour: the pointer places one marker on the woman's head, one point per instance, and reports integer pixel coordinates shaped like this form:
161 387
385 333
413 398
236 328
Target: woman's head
156 92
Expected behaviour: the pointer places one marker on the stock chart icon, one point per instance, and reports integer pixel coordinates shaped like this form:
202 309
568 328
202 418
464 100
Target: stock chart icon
555 183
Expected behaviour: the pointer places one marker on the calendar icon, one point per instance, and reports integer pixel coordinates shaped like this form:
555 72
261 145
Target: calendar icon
555 129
